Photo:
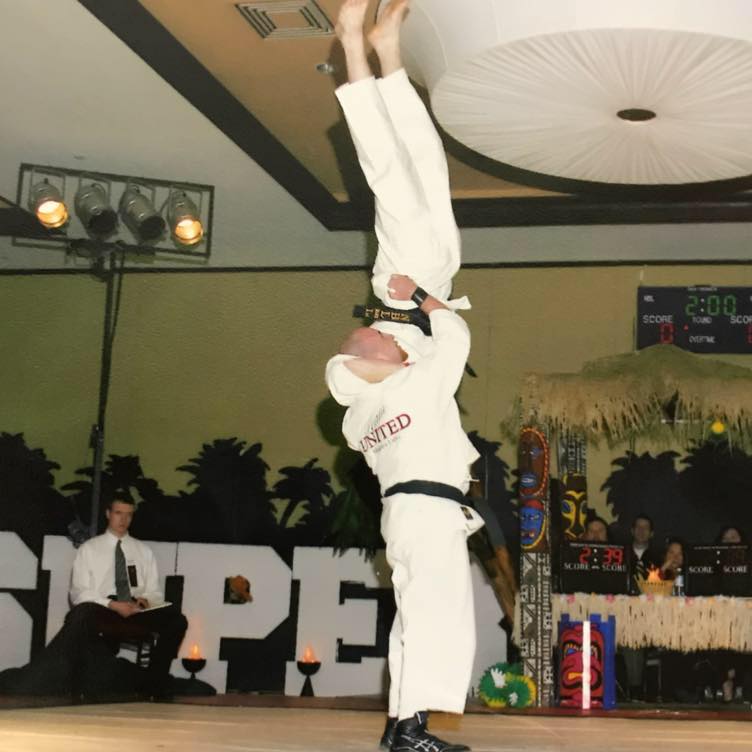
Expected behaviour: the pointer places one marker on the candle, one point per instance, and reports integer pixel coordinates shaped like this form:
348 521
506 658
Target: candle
195 653
309 656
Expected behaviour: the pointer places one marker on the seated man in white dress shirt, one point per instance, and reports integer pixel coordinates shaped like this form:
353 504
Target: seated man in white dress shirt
114 580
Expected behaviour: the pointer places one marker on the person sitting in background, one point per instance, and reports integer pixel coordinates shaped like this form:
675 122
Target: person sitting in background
641 559
596 531
673 560
115 594
731 535
728 671
642 556
109 601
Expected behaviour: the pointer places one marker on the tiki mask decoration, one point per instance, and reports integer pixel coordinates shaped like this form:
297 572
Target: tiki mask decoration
573 505
532 525
570 667
533 469
532 463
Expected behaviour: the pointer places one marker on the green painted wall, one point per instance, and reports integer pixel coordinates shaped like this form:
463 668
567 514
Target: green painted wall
203 356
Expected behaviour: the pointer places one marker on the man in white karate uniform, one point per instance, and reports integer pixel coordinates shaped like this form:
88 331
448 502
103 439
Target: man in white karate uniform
399 386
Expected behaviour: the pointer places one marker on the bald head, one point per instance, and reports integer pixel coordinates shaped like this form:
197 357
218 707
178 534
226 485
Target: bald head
366 342
356 343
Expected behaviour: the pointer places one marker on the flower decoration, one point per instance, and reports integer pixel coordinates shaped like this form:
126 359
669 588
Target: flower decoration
503 685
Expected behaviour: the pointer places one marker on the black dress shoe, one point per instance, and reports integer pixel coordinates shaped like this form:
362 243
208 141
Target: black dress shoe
411 735
388 736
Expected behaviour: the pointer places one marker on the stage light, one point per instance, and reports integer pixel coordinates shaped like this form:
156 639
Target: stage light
46 201
139 214
92 205
183 218
111 212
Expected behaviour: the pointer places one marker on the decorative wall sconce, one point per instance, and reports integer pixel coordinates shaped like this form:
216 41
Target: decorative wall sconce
308 665
153 215
194 662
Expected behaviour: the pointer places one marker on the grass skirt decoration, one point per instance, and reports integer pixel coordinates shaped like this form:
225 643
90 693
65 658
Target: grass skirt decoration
504 686
624 396
675 623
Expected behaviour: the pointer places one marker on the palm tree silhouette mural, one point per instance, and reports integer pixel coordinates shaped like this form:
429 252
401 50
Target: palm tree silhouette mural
30 505
229 502
648 484
716 482
121 474
307 490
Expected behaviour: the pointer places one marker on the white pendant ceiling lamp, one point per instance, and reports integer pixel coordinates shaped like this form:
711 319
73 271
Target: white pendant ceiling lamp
637 92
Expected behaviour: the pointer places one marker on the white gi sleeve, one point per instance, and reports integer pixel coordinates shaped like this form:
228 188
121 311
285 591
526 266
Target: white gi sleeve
442 370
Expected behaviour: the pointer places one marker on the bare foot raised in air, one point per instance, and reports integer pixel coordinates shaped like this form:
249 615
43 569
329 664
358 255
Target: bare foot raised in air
349 30
385 35
352 15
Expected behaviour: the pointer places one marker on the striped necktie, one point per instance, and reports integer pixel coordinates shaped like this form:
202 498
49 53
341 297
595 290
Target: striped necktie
121 575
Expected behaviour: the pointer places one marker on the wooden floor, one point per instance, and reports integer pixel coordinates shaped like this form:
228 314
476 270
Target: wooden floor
136 727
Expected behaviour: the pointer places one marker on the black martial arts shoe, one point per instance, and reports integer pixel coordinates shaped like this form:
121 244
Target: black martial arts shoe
387 738
411 735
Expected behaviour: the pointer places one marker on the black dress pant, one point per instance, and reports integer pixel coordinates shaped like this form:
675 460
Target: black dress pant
89 621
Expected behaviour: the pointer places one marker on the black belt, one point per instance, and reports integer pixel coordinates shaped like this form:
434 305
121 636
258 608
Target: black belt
383 313
445 491
429 488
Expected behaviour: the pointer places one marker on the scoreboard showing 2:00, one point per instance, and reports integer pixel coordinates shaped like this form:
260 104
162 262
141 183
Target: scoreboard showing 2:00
700 319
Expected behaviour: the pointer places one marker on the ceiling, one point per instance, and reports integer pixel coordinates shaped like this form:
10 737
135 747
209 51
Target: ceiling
198 91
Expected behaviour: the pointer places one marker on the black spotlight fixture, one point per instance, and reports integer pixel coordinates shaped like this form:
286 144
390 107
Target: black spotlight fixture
184 218
139 214
92 213
46 201
92 205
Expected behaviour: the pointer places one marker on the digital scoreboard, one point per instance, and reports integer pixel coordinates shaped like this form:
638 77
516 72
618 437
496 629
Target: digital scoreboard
699 319
593 568
719 570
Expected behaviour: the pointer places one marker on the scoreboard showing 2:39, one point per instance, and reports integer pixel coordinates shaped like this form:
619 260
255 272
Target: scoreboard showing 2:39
700 319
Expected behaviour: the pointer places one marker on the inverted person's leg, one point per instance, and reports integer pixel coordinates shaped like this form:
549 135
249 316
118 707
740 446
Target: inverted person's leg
411 120
432 264
349 30
403 220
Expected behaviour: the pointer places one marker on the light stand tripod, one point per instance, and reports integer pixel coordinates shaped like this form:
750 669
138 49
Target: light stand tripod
106 269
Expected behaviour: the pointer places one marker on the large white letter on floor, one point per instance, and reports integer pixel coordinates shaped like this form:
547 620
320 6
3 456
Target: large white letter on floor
322 620
18 571
204 568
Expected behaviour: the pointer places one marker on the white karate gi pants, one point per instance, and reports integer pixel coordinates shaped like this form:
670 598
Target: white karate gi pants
432 642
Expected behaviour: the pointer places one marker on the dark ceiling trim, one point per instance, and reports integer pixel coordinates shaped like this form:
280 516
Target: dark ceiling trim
709 202
583 210
364 268
572 210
